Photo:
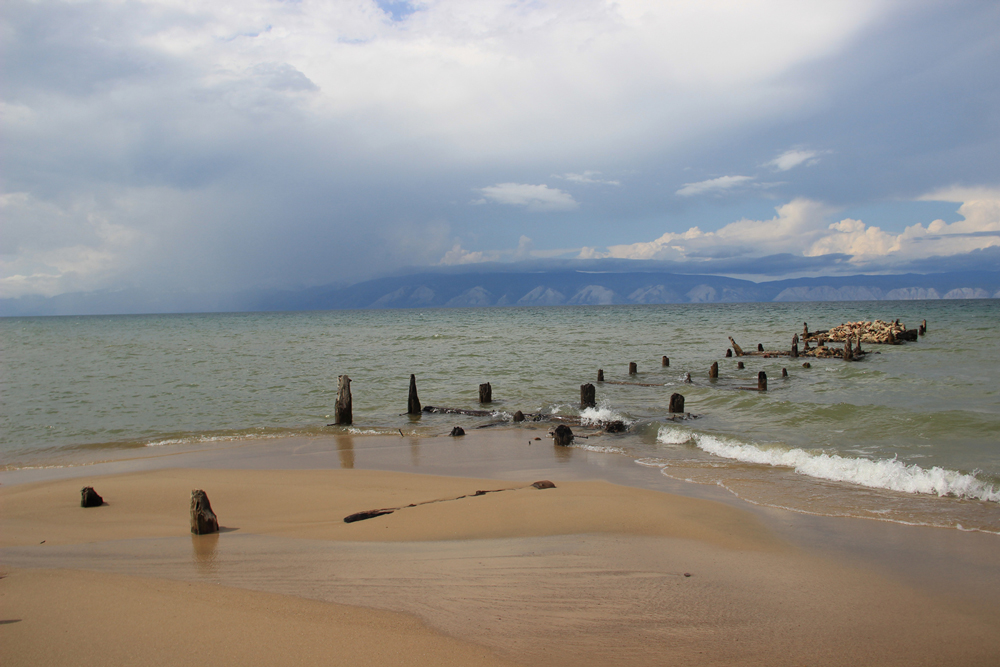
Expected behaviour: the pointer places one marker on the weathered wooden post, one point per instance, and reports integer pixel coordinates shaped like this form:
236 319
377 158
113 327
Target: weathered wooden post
413 405
736 348
795 346
739 365
203 519
848 350
632 368
805 331
563 435
857 348
342 412
90 498
665 361
676 403
729 353
784 372
588 396
600 375
518 417
713 372
922 329
762 381
687 378
760 347
485 393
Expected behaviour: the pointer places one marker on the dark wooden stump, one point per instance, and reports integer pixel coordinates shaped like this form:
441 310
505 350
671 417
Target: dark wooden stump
784 372
563 435
729 353
203 519
543 484
665 362
736 348
713 372
632 368
588 396
676 403
795 350
485 393
90 498
518 416
762 381
760 347
857 348
739 365
848 350
457 431
923 327
413 405
807 365
687 378
342 411
805 330
600 375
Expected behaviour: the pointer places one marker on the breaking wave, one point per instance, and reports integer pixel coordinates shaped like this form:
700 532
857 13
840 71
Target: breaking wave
891 474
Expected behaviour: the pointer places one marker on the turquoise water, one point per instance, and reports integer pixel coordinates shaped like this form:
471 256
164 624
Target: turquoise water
909 434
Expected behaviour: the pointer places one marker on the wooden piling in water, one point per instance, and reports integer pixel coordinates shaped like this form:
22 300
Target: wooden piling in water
729 353
632 368
676 403
588 396
736 348
413 403
784 372
762 381
713 372
600 375
342 411
485 393
665 361
739 365
760 347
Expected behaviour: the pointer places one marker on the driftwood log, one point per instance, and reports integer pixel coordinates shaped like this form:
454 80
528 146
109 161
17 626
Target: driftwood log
736 348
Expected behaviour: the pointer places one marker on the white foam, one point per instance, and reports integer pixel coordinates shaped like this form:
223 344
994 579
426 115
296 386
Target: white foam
599 448
673 436
601 414
873 473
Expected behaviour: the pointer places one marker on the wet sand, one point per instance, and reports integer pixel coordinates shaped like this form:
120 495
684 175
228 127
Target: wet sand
588 573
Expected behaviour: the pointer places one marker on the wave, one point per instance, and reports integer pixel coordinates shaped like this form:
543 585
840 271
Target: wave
602 414
891 474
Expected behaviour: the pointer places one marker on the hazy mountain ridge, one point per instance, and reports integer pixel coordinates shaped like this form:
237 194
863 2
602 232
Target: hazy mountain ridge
470 289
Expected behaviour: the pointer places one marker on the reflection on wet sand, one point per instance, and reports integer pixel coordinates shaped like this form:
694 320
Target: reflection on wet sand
345 449
204 547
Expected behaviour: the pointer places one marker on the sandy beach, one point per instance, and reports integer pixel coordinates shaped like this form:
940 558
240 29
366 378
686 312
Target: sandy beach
588 573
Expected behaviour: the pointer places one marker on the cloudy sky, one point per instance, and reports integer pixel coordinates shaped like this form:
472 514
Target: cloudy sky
183 145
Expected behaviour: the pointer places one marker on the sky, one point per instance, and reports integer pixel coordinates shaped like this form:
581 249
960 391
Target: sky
177 145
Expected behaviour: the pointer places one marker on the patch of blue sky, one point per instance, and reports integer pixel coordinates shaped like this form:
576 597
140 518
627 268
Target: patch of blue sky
397 10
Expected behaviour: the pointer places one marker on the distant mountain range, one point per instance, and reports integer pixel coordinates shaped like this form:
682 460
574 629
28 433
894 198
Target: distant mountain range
541 287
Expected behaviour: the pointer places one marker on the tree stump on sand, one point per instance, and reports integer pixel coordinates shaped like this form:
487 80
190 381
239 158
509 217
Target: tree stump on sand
342 411
713 372
665 361
203 519
676 403
485 393
90 498
588 396
544 484
413 404
563 435
632 368
762 381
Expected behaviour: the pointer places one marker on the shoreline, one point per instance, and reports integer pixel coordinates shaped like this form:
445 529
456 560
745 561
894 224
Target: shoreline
612 533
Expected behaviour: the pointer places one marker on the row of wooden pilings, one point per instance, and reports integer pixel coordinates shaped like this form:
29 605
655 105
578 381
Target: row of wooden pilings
343 414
